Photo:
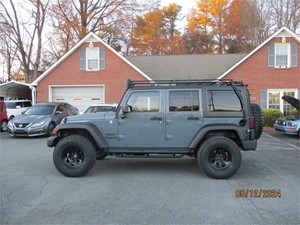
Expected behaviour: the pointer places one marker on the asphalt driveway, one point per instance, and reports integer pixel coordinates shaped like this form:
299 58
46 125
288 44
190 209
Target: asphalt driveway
148 191
289 139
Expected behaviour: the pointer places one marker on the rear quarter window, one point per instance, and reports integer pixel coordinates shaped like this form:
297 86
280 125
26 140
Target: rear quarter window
223 101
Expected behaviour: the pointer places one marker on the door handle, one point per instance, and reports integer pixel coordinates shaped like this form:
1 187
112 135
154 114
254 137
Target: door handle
156 118
193 118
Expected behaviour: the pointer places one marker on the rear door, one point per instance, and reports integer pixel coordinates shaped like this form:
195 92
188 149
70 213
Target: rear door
183 116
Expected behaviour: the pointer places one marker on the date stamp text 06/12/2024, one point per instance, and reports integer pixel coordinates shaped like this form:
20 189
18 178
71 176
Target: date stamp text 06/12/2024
258 193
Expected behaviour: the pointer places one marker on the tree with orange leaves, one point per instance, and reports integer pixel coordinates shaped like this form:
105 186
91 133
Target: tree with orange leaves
155 32
209 16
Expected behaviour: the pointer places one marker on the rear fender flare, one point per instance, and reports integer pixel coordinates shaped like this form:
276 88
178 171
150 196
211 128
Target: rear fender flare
201 134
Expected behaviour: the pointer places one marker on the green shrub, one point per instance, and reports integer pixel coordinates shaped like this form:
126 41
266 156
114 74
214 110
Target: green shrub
293 112
270 116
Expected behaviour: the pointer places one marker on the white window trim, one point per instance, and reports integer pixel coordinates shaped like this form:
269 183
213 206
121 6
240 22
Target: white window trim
281 91
288 55
87 59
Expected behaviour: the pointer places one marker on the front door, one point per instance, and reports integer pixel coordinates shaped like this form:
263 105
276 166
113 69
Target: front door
143 126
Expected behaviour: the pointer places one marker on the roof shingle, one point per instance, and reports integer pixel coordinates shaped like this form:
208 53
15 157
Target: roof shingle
175 67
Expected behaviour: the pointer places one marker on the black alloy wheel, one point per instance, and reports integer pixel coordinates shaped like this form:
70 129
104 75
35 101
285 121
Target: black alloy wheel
219 157
74 156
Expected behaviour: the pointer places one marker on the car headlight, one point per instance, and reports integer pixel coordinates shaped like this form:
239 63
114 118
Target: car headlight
283 123
38 124
10 123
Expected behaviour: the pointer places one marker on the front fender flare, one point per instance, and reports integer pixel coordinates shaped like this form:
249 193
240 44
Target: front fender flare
88 127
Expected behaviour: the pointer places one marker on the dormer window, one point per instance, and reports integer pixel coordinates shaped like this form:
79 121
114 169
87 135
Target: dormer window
282 55
92 59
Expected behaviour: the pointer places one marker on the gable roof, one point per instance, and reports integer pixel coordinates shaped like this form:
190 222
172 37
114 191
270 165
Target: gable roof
175 67
86 39
277 33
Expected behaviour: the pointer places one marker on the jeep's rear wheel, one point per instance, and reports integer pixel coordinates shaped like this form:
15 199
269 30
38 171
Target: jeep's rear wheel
256 113
74 156
219 157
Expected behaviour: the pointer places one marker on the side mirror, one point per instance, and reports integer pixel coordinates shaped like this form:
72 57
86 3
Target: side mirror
126 109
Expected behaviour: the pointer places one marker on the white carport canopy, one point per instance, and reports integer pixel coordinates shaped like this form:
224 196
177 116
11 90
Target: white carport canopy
17 90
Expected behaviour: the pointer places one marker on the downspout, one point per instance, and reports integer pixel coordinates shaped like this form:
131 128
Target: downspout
33 94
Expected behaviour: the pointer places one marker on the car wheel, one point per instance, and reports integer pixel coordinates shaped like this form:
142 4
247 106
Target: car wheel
74 156
3 126
50 129
256 113
219 157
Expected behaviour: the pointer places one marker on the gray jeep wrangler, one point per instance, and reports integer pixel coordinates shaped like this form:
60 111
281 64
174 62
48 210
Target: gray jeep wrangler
211 120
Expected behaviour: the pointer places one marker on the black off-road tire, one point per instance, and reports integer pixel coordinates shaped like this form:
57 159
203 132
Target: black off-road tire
74 156
256 113
219 157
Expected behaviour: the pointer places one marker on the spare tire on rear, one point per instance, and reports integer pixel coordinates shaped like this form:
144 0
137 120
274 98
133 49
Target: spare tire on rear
256 113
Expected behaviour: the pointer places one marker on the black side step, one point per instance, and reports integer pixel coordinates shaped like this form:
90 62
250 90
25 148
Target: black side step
148 155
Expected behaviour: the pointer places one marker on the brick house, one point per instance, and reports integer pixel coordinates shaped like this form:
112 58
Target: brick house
91 72
271 70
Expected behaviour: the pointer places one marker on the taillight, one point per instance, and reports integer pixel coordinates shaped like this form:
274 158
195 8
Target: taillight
251 123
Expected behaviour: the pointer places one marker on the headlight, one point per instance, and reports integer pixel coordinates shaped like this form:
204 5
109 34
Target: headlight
283 123
10 123
38 124
64 120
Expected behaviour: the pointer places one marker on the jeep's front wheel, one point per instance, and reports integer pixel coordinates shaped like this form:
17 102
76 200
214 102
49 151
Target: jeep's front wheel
74 156
219 157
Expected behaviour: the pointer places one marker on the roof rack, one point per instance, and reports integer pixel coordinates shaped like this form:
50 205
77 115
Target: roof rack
207 82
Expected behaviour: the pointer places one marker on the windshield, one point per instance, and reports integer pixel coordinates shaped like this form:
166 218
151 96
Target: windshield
40 110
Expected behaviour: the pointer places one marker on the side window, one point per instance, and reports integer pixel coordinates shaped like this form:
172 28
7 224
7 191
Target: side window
27 104
92 59
144 101
220 101
60 108
282 55
183 101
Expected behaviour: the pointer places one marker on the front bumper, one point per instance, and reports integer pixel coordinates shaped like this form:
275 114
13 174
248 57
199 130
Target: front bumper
26 132
52 141
286 129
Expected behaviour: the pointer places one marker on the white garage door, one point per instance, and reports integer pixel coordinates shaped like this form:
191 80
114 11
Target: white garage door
79 96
